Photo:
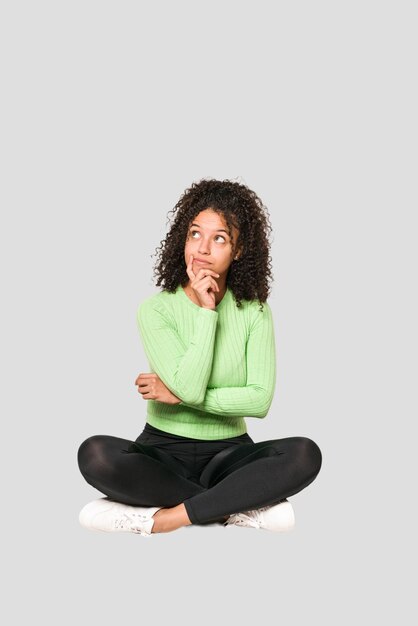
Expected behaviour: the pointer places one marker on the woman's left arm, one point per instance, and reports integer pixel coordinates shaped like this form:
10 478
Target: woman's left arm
255 398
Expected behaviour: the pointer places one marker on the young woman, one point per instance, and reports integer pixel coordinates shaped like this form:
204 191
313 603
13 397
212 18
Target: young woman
209 338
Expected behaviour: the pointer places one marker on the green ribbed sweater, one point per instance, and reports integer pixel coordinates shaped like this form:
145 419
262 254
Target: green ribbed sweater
221 363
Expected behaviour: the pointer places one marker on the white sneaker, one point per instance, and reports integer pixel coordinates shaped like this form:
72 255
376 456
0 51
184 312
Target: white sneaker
278 517
111 516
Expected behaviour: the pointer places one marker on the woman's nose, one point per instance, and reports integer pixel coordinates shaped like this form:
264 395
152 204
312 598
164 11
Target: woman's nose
204 248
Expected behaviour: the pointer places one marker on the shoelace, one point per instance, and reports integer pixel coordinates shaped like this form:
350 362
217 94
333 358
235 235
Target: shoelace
250 518
129 521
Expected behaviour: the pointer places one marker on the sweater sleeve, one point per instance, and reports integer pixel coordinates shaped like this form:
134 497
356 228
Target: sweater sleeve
255 398
185 370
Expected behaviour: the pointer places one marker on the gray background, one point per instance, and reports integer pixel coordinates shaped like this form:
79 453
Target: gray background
109 111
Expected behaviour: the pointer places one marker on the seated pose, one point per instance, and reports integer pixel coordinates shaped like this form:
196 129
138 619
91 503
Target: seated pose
208 336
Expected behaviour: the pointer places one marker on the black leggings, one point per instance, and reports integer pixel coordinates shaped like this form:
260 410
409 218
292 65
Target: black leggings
212 478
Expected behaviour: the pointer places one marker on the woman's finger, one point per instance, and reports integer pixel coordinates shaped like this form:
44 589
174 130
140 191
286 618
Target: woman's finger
205 271
206 283
189 268
202 274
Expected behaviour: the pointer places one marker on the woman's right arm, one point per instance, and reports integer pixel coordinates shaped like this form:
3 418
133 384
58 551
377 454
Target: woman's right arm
185 370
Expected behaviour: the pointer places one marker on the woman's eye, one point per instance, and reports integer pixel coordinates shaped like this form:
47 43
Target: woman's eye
196 231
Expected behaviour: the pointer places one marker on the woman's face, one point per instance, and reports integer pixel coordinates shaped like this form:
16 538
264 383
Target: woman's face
208 239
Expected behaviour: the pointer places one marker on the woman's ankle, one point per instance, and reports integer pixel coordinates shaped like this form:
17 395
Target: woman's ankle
169 519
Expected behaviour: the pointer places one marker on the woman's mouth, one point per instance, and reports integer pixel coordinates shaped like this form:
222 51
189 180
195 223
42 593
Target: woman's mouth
201 262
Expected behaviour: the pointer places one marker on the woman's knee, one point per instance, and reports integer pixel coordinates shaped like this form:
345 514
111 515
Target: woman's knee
309 454
90 452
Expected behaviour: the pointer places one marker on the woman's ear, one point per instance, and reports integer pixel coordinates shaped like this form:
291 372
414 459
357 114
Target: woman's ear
238 253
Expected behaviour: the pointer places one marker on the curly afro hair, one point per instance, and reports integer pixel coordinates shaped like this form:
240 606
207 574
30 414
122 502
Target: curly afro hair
248 277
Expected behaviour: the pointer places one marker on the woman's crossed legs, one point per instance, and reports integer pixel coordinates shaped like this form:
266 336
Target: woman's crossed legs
235 478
